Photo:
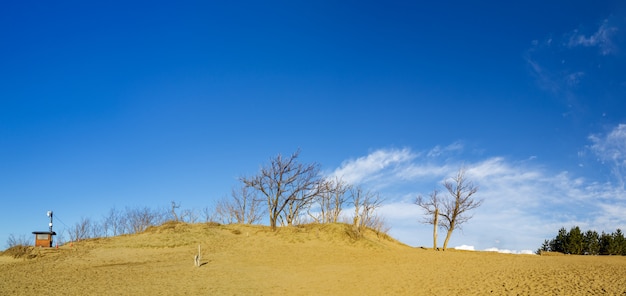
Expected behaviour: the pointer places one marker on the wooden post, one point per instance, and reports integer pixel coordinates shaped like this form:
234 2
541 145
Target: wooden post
435 222
197 258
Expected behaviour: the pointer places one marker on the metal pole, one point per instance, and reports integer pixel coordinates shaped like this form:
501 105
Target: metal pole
51 221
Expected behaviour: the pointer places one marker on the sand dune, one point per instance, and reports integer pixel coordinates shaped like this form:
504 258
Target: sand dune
306 260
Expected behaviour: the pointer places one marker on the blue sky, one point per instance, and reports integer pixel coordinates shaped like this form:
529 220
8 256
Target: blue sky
139 104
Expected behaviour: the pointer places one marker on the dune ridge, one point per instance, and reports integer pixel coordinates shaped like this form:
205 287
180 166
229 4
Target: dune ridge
313 259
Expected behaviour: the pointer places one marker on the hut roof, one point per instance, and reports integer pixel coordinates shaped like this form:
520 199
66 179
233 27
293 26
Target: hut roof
45 232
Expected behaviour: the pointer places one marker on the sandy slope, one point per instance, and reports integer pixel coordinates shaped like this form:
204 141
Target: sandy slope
309 260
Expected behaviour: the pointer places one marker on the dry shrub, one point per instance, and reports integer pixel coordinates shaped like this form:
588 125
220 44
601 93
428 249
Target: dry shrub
169 226
340 232
546 253
18 251
353 233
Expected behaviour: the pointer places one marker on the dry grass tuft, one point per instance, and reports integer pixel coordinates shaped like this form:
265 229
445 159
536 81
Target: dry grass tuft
19 251
168 226
544 253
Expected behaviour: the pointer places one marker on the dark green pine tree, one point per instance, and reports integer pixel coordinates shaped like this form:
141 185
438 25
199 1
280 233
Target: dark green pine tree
558 244
577 242
574 244
591 243
545 247
620 242
607 244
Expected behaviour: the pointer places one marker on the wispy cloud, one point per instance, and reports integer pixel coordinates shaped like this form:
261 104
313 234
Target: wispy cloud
611 148
602 38
370 167
573 79
386 167
523 203
564 66
438 150
544 77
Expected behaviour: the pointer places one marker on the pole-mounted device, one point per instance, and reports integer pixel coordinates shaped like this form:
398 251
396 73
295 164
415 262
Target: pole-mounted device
50 215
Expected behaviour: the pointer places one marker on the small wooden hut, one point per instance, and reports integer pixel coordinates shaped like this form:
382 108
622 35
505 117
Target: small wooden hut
43 238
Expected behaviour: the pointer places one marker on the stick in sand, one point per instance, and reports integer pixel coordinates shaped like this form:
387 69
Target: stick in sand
197 258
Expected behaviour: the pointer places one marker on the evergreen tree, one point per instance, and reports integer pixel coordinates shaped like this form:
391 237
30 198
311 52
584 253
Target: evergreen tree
574 243
558 244
591 243
620 242
607 244
545 247
577 242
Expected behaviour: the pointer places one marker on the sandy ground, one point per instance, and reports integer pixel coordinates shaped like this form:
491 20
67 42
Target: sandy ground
310 260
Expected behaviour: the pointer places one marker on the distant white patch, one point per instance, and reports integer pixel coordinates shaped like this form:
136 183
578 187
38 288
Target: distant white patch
506 251
465 248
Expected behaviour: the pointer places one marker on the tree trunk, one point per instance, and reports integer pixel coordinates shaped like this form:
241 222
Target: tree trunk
272 222
448 235
435 222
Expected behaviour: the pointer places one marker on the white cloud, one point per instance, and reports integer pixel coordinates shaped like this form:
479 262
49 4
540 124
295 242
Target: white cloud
438 150
601 38
611 216
364 168
490 167
404 210
412 171
497 250
611 148
523 203
564 70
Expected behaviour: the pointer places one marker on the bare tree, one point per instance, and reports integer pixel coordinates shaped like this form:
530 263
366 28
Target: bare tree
97 230
140 219
188 216
60 238
114 222
295 206
287 186
14 241
365 205
460 200
223 211
173 210
431 210
379 224
208 214
330 201
81 230
245 206
242 207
